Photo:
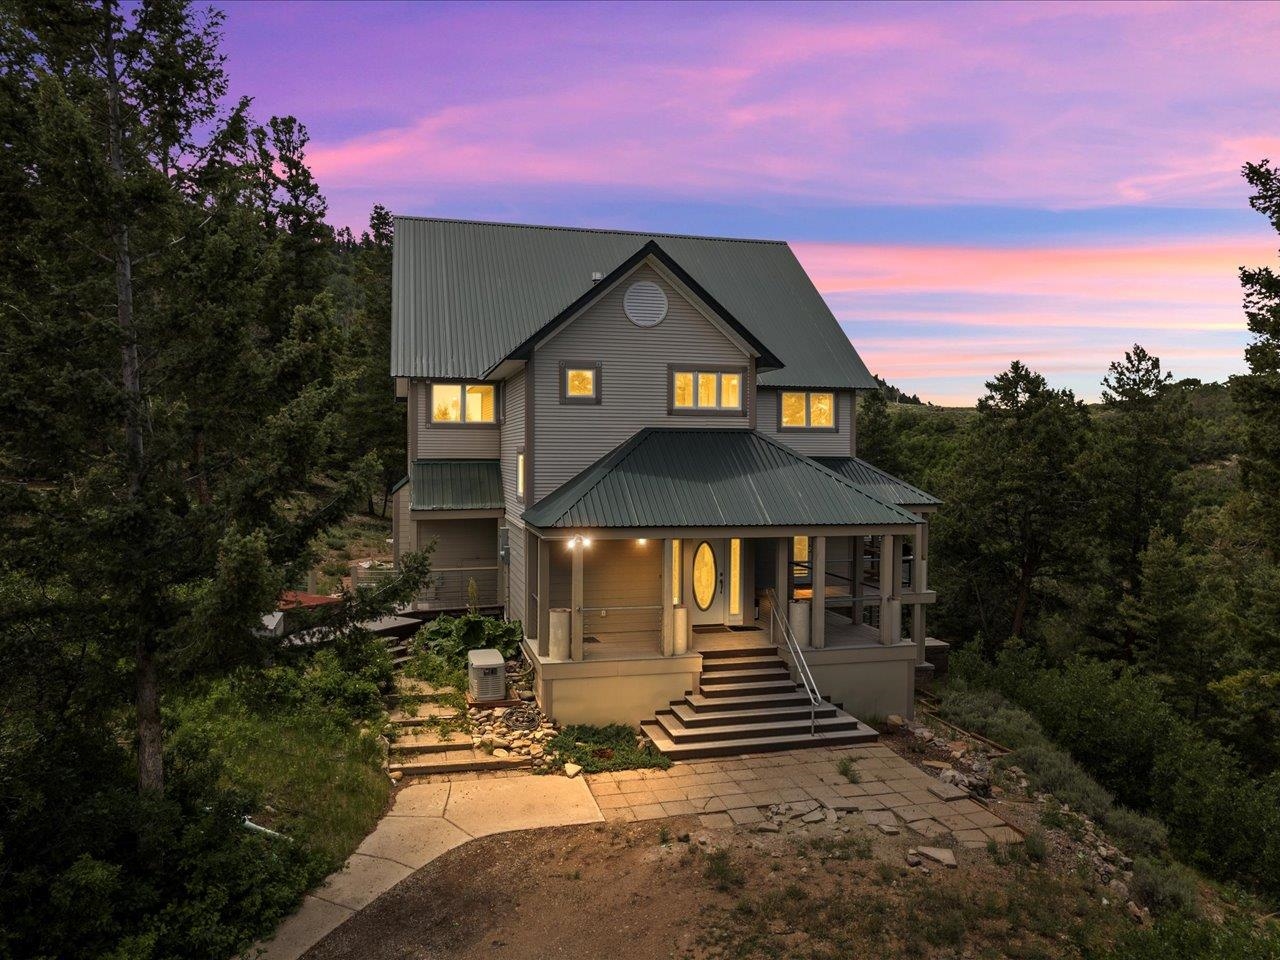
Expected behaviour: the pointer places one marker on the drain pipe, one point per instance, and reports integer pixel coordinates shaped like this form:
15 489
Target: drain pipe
259 828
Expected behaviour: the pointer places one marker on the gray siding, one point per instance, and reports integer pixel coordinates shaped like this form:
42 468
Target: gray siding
517 574
402 529
816 443
512 433
451 442
633 380
615 573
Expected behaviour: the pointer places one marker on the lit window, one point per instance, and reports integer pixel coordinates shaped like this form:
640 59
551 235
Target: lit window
706 390
684 390
469 403
675 572
800 554
580 382
520 474
735 577
799 410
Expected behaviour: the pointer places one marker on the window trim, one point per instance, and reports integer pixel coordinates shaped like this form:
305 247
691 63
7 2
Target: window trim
742 410
464 423
808 412
565 367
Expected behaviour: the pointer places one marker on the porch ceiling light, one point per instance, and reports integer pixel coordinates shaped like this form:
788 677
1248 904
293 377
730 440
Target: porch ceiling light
579 541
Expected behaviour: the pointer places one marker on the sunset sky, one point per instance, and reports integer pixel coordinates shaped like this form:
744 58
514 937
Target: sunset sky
966 184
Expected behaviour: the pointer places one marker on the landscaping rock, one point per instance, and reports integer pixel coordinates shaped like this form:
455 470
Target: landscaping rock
913 859
768 826
572 769
814 816
888 828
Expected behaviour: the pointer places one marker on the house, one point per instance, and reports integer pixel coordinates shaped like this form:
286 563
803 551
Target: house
643 447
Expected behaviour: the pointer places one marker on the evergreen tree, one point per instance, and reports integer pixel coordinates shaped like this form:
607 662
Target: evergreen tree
1258 392
875 432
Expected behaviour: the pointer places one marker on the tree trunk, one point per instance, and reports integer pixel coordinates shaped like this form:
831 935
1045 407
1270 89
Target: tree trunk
1024 597
147 686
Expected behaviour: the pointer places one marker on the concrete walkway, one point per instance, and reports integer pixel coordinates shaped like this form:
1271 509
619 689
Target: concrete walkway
425 821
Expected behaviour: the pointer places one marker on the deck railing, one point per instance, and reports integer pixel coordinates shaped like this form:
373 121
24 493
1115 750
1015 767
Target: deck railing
783 627
448 588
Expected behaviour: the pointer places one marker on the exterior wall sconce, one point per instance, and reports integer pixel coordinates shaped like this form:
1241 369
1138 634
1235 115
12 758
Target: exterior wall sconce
579 541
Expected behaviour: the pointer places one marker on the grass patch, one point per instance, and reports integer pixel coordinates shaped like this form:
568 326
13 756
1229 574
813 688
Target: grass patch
600 749
1189 939
723 872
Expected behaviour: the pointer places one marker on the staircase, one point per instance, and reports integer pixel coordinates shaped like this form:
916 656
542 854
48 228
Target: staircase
749 704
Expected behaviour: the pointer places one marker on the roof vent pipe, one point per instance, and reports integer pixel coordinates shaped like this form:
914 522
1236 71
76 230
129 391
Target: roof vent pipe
596 276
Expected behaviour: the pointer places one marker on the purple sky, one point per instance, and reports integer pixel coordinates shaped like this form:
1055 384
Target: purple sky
967 184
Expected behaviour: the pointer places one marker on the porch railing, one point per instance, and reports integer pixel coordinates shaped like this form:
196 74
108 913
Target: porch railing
797 656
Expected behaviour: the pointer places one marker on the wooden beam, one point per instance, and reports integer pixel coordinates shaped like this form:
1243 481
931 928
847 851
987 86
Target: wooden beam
818 611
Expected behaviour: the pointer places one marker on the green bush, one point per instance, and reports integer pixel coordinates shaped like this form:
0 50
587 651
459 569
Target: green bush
1189 939
453 637
1113 721
597 749
1163 887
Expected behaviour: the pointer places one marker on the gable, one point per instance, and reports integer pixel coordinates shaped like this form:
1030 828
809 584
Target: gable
466 295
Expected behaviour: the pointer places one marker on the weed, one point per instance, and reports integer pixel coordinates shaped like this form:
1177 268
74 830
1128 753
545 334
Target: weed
847 769
723 872
1036 846
664 836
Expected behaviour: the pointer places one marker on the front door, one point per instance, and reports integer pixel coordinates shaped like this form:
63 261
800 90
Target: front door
706 588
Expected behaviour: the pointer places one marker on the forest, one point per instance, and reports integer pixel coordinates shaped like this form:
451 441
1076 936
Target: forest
193 373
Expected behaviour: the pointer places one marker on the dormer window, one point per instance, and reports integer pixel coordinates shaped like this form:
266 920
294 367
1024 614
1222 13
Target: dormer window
707 391
579 381
806 410
464 403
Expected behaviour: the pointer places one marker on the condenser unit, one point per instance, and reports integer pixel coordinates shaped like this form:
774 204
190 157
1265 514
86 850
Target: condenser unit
486 675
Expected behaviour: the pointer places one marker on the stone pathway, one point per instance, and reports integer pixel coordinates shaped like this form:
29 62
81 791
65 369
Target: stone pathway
426 820
740 790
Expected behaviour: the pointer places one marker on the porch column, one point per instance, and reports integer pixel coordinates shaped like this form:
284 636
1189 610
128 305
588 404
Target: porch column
890 590
919 584
855 575
544 597
818 612
668 612
782 575
575 604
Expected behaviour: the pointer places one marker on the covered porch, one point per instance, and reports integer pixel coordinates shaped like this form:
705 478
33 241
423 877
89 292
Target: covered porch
637 572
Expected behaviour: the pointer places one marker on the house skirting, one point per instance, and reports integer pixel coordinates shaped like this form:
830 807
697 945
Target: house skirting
610 691
870 681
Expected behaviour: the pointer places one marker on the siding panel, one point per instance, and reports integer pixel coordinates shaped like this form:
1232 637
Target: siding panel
633 380
615 573
453 442
816 444
512 437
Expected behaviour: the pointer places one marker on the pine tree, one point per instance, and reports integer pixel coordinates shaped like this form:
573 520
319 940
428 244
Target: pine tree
876 442
1258 393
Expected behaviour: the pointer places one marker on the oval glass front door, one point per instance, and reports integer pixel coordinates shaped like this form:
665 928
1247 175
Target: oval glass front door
704 575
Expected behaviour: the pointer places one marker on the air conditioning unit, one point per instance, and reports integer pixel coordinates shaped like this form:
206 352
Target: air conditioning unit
486 675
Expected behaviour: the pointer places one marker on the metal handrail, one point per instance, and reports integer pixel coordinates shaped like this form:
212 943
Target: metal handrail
802 666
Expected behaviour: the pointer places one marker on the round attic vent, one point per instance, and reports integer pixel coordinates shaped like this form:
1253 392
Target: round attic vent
645 303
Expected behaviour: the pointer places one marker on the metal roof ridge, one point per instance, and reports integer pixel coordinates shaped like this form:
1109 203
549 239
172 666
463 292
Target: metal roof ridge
569 229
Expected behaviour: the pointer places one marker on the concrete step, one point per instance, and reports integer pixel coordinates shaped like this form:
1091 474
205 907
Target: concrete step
764 673
730 653
679 733
779 701
457 761
729 748
767 658
748 689
690 717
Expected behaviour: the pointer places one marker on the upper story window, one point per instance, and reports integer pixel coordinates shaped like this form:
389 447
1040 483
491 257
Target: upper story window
707 391
464 403
806 410
579 382
520 473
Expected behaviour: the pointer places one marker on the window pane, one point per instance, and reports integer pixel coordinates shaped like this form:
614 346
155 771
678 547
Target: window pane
520 474
480 405
675 571
580 383
731 390
446 402
704 576
822 410
800 554
793 410
684 390
706 389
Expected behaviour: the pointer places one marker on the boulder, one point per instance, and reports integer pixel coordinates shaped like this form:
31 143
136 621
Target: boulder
572 769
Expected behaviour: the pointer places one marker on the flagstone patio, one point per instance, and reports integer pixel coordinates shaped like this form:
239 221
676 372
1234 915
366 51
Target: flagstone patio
737 790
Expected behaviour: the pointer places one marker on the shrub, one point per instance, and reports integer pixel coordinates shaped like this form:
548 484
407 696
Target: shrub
1163 887
453 637
1190 939
597 749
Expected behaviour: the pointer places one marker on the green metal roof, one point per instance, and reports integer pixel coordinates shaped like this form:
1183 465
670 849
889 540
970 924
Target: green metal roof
881 485
675 477
455 485
466 295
